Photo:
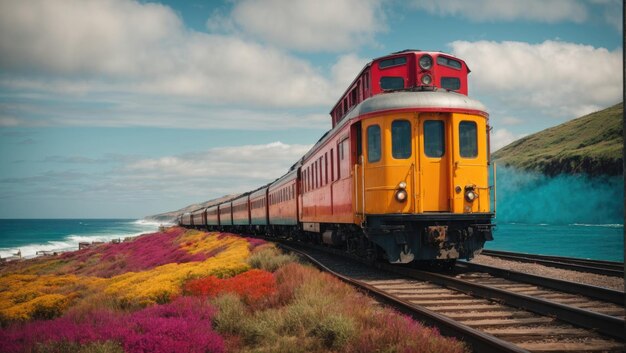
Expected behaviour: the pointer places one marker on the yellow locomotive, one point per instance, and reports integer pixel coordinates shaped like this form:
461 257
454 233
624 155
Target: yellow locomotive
402 174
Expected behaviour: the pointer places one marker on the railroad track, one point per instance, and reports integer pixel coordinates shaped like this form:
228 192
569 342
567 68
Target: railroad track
488 318
606 268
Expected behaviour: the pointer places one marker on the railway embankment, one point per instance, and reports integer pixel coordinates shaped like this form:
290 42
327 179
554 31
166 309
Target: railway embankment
190 291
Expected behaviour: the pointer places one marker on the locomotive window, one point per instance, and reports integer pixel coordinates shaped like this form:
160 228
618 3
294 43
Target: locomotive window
451 83
401 139
366 81
468 139
442 60
392 62
434 145
391 82
373 143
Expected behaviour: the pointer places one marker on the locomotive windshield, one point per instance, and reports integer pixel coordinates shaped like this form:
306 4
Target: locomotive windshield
451 83
373 143
442 60
468 139
434 138
391 82
392 62
401 139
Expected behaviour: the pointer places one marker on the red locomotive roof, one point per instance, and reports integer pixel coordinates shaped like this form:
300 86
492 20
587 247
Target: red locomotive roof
404 70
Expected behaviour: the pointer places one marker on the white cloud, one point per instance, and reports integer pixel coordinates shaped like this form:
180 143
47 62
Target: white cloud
548 11
560 79
503 137
217 171
323 25
124 46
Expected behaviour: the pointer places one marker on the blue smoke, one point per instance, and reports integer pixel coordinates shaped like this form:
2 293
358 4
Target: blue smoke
533 198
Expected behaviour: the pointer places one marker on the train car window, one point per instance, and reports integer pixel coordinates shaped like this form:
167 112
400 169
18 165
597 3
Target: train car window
332 165
373 143
468 139
319 171
392 62
326 167
401 139
391 82
442 60
434 143
451 83
338 167
316 174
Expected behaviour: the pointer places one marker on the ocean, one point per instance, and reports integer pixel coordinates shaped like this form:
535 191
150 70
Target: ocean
32 235
589 241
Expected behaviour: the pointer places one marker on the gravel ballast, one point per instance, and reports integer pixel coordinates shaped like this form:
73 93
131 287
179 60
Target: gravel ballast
615 283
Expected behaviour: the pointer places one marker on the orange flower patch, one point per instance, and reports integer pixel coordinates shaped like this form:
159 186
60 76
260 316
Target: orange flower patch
253 286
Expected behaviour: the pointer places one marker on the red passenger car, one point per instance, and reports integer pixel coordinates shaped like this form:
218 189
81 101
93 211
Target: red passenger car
186 220
258 210
241 210
226 214
199 218
326 181
283 201
212 217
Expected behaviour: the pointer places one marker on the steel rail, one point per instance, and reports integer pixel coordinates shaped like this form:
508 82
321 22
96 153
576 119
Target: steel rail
574 260
477 340
601 293
563 263
605 324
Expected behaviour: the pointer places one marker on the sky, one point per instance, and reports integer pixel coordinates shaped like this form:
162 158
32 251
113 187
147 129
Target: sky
123 109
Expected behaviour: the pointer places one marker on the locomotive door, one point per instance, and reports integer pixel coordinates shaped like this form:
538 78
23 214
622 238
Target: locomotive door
433 161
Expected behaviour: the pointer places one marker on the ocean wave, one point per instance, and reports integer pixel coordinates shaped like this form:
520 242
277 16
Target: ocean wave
70 242
152 223
30 250
598 225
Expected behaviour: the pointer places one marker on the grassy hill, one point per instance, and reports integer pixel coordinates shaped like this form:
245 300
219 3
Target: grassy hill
592 144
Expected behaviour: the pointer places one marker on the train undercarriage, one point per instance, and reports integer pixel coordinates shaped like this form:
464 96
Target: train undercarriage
396 238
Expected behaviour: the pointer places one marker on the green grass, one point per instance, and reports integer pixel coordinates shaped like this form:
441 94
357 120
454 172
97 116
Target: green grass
592 144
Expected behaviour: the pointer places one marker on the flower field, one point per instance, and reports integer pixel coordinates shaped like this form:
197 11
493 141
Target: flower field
190 291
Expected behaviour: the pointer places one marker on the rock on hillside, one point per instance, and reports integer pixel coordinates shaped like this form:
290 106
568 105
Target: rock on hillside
592 144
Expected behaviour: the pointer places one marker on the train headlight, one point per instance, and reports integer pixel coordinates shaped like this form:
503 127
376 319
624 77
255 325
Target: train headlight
427 79
401 195
402 185
470 194
426 62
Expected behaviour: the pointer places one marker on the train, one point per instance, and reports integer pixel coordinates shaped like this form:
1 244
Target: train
402 175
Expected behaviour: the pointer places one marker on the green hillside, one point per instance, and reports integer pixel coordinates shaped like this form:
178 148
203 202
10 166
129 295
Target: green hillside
592 144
